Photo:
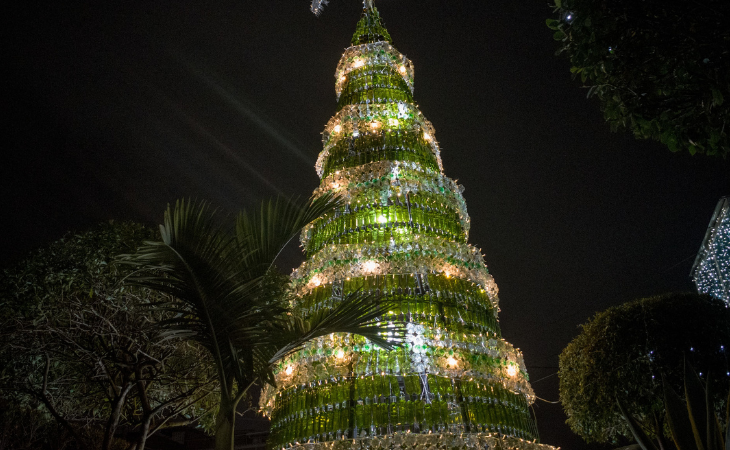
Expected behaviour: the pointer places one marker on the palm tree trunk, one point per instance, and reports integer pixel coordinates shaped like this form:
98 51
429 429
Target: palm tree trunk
225 425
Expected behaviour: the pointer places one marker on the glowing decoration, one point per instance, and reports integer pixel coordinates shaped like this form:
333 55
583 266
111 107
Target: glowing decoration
370 266
401 237
711 269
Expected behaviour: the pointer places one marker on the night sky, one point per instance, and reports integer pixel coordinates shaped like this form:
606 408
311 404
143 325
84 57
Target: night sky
114 109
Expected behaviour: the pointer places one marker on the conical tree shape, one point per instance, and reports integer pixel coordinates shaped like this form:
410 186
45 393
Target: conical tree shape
403 236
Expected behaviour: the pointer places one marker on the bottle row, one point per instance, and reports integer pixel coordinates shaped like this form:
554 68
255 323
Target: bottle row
423 210
378 405
446 291
371 155
376 75
449 316
396 182
441 309
377 226
380 135
371 94
377 145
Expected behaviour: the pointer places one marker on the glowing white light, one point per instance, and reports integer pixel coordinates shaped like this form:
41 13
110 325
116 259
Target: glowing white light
358 63
340 354
402 69
289 370
511 370
451 361
393 122
316 281
570 16
370 266
426 136
374 125
342 79
338 128
382 219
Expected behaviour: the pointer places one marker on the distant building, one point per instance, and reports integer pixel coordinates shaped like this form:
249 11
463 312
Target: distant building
711 270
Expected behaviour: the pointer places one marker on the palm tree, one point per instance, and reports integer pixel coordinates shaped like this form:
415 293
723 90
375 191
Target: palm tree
231 300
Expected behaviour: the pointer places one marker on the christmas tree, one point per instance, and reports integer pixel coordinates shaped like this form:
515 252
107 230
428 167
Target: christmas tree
402 236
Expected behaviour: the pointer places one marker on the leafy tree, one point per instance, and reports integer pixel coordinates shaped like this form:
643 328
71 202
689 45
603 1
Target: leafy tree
622 353
78 348
692 422
660 68
231 300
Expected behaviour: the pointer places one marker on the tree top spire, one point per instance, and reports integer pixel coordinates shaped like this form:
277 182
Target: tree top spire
370 28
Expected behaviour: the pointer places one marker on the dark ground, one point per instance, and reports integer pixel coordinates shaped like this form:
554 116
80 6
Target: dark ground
116 108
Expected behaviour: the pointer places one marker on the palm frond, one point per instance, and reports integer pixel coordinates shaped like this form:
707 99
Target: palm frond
358 314
265 232
201 264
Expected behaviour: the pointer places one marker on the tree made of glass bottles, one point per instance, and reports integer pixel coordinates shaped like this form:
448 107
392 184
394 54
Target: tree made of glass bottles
401 236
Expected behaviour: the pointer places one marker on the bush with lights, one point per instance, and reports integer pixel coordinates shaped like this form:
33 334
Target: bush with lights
623 354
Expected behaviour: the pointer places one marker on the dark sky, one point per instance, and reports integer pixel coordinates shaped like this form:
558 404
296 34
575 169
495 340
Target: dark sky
116 108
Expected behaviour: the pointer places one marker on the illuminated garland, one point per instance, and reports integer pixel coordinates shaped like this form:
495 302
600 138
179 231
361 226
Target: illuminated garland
410 254
472 357
360 119
374 54
382 181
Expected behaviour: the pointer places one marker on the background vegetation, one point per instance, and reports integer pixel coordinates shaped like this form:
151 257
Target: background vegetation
623 353
660 68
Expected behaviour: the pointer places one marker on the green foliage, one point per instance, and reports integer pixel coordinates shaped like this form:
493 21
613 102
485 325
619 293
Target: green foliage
659 68
231 301
77 347
693 423
622 353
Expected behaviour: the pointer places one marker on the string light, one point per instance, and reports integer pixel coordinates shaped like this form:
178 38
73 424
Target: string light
711 269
